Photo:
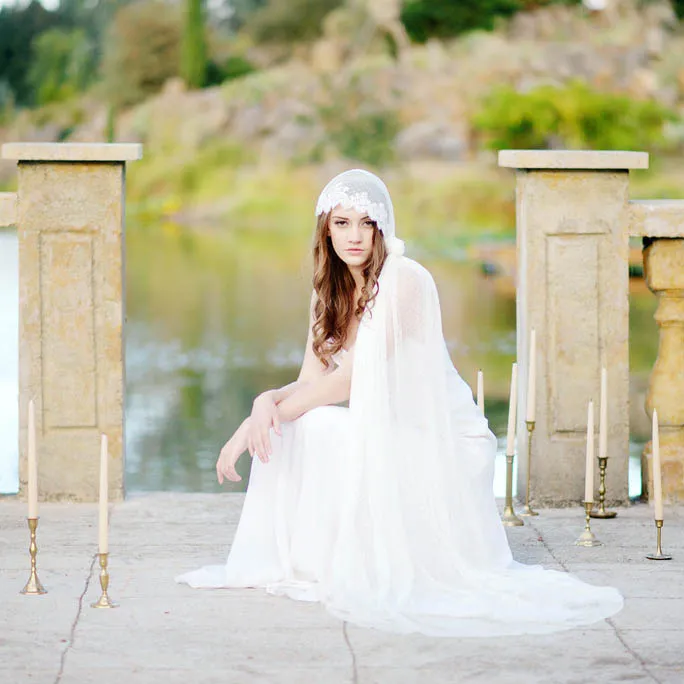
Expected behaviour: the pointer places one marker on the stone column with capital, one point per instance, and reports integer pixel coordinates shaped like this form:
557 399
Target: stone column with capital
573 288
70 226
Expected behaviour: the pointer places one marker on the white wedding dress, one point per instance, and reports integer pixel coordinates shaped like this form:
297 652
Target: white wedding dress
384 511
292 539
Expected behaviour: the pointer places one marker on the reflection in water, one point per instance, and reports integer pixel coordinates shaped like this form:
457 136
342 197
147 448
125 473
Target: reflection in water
9 387
214 318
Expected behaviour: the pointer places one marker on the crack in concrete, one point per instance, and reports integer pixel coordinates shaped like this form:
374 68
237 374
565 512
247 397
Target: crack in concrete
619 636
355 674
74 624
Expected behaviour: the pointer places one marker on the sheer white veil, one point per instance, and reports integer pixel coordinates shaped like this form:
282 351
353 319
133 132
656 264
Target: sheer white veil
365 192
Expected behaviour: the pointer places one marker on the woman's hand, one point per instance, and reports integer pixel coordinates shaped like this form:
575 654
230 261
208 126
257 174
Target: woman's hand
231 451
264 416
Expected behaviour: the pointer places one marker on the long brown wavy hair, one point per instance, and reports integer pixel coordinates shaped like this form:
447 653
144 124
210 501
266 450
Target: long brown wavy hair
334 286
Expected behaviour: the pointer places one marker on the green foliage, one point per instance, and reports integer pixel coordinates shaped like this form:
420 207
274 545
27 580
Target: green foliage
18 28
424 19
367 137
289 21
142 51
60 67
194 47
573 117
233 67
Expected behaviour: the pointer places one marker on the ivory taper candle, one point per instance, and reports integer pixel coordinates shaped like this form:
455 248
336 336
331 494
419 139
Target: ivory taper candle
510 437
531 378
480 390
657 473
603 416
103 531
589 476
32 463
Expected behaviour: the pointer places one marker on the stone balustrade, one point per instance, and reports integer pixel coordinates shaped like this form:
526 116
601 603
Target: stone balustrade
574 219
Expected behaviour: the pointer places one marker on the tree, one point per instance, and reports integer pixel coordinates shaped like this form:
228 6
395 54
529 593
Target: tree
142 51
194 49
60 65
424 19
18 28
290 21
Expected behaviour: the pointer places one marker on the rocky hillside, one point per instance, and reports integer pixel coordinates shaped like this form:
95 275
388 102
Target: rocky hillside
330 103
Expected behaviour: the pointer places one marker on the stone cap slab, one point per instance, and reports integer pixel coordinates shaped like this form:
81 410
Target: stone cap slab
8 208
572 159
656 218
72 152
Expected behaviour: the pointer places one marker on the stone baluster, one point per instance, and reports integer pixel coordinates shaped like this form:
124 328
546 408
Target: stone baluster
664 272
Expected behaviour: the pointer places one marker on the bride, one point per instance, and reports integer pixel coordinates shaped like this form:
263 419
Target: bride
384 510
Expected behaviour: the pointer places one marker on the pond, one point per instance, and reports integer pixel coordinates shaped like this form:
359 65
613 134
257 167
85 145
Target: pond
216 316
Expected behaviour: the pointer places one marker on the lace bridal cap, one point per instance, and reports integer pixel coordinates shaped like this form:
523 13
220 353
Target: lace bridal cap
365 192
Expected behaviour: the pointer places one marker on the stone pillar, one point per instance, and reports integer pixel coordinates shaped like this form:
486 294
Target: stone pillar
664 272
572 287
70 220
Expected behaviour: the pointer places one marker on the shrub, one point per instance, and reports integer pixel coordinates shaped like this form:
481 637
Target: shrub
289 21
574 116
142 51
424 19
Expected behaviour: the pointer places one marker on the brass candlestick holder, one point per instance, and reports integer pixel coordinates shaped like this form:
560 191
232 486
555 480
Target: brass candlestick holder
509 517
104 601
659 555
527 510
33 586
602 512
587 538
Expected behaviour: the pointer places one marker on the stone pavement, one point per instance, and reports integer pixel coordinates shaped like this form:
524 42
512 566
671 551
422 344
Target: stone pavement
168 633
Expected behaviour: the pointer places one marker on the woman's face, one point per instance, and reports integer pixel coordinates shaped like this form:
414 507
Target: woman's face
351 233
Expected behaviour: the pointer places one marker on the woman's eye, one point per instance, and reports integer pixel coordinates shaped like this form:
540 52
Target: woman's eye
340 223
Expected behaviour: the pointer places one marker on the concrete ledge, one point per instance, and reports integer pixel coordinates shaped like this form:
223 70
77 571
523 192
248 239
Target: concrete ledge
656 218
73 152
8 208
572 159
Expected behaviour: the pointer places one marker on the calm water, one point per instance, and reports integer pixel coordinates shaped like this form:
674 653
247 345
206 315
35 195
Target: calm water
215 317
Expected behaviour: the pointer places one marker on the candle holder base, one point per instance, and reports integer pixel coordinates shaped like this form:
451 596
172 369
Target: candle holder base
603 514
33 586
104 601
587 538
659 555
527 511
510 519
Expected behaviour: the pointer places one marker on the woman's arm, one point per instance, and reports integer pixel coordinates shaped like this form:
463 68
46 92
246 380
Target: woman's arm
266 407
312 367
331 388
